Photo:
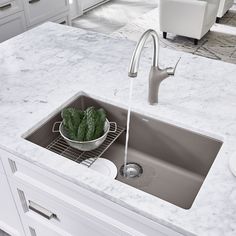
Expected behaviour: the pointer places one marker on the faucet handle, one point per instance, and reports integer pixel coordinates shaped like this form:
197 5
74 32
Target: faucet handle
171 70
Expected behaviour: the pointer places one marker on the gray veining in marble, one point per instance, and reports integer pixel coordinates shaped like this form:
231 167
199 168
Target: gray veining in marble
44 67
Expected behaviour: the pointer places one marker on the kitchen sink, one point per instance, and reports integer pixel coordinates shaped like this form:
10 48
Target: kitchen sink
174 161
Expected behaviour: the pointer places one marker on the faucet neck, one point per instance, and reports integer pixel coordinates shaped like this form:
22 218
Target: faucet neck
134 65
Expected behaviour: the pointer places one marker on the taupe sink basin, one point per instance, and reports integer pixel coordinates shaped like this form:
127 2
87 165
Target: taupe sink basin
175 161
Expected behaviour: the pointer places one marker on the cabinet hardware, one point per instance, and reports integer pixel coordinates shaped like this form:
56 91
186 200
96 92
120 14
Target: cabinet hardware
33 1
5 7
32 231
12 165
41 210
23 200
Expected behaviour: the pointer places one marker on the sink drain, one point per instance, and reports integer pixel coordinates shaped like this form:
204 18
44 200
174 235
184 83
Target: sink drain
131 170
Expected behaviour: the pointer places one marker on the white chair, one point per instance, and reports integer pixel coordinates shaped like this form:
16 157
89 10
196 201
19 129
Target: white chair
225 5
190 18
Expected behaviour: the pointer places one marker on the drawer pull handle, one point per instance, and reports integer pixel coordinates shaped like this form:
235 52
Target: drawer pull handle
33 1
5 7
41 210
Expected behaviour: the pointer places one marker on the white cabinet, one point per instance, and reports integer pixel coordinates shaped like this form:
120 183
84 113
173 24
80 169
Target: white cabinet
12 19
17 16
62 19
44 212
9 7
9 218
12 25
51 205
38 11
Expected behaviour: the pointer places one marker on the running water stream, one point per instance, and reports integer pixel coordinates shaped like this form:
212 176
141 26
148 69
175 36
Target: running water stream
128 124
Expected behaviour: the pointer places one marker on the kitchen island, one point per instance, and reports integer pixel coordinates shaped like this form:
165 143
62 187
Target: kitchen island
43 68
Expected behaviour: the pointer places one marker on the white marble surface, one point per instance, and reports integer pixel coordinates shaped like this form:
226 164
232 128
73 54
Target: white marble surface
43 68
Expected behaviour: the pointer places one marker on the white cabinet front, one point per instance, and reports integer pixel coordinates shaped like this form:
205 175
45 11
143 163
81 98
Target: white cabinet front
12 25
56 204
38 11
45 215
9 218
9 7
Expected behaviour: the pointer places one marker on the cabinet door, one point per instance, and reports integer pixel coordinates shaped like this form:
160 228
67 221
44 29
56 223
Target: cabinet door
42 211
11 26
40 230
9 7
9 218
63 19
86 204
38 11
37 226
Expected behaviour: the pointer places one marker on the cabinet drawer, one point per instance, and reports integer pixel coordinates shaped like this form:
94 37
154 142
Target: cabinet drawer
53 213
9 7
73 196
12 25
63 20
38 11
9 218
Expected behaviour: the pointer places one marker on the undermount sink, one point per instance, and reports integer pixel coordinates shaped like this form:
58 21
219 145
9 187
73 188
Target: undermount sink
175 161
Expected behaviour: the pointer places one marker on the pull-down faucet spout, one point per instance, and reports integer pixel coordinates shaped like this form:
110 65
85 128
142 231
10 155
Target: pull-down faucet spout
156 75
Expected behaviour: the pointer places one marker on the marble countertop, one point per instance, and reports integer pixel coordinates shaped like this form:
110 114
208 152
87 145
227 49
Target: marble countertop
43 68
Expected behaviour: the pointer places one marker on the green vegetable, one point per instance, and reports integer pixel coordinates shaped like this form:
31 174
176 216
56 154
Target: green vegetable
91 116
99 123
77 117
69 123
81 133
84 125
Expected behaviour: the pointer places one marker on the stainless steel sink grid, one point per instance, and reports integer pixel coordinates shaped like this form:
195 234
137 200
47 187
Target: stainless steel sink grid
61 147
175 161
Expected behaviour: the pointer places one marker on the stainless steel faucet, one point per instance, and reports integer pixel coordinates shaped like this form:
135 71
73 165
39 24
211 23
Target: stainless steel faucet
156 75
